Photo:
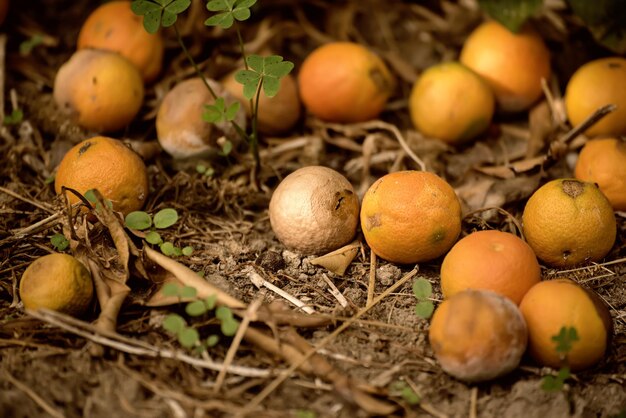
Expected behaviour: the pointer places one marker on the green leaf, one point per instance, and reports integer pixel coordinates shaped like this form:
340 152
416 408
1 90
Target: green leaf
226 148
424 309
565 339
271 86
90 195
201 168
422 289
188 292
229 327
157 13
154 238
174 323
210 302
223 313
277 68
138 220
305 413
232 110
167 248
563 373
224 20
14 118
165 218
410 396
511 13
59 242
170 289
195 308
551 384
187 251
250 81
212 340
255 62
230 10
188 337
27 46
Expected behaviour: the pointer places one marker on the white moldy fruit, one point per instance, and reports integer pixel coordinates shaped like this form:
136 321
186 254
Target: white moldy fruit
314 210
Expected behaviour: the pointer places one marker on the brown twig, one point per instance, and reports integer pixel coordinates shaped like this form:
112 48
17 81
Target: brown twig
55 413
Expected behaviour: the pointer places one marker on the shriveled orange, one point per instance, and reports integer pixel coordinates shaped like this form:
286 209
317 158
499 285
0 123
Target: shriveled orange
603 161
108 165
513 64
598 83
113 26
492 260
410 216
344 82
477 335
59 282
569 222
551 305
451 102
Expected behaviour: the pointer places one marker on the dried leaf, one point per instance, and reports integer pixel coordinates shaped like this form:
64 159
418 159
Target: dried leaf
338 261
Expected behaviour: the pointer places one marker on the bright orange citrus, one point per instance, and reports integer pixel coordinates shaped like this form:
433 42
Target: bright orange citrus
551 305
603 161
113 26
410 216
108 165
568 222
452 103
492 260
595 84
344 82
513 64
59 282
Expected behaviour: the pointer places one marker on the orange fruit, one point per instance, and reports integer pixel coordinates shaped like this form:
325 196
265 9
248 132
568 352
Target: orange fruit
492 260
344 82
595 84
551 305
478 335
513 64
314 210
277 114
101 90
108 165
603 161
113 26
410 216
451 102
59 282
568 222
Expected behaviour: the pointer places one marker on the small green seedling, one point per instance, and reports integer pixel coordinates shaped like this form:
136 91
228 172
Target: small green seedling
305 413
261 74
59 242
188 336
90 195
564 341
28 45
423 291
14 118
205 170
402 389
141 221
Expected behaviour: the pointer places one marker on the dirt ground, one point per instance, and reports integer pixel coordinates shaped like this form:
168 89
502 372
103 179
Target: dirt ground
53 366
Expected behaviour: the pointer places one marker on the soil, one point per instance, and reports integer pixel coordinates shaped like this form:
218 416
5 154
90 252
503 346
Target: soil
53 366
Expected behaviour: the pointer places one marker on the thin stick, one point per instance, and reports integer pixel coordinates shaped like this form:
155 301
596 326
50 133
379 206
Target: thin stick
89 332
473 401
23 199
3 43
335 292
372 276
34 396
256 401
259 282
232 350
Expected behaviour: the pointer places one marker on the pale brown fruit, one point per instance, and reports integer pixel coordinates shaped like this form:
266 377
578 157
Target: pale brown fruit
181 130
314 210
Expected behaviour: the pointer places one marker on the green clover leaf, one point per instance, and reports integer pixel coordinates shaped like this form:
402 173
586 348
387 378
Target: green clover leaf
230 10
59 242
157 13
265 71
219 112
